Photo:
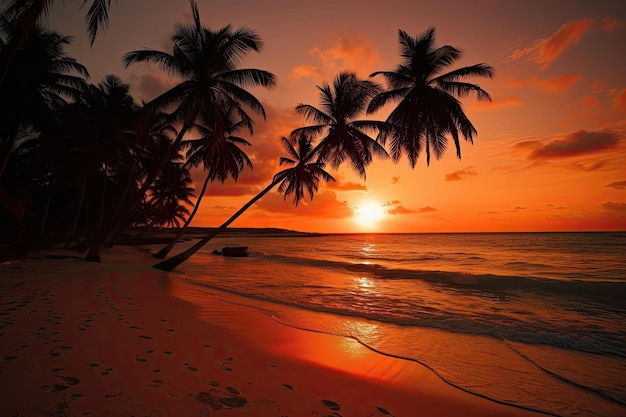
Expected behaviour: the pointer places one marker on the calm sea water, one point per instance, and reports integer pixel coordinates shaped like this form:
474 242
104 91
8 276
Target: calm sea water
536 320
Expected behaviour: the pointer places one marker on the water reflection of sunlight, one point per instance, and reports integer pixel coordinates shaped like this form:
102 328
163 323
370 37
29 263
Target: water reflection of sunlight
367 248
364 283
364 331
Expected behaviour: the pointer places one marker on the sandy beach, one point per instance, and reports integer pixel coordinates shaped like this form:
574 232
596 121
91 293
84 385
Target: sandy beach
122 339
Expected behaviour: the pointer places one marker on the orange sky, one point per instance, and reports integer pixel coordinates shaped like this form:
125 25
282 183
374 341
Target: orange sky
550 149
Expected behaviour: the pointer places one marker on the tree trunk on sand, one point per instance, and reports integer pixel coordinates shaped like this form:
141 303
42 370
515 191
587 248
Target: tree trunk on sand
174 261
163 252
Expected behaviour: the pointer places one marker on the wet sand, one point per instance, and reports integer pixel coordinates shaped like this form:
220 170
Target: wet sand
123 339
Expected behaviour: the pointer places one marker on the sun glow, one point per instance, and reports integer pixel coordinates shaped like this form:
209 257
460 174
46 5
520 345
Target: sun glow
369 213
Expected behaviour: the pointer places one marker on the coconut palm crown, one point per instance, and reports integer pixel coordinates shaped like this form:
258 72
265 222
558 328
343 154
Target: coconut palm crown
428 109
343 137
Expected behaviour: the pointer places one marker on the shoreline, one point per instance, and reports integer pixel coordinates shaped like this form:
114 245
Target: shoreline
120 338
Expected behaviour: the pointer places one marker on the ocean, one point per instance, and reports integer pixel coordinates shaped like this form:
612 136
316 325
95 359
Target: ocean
535 320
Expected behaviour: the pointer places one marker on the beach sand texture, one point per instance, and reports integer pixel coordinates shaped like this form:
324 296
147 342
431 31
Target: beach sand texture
122 339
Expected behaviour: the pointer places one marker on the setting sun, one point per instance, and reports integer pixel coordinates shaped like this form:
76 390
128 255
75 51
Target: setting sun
369 213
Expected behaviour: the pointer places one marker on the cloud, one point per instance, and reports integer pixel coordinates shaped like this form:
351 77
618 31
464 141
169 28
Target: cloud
609 24
554 84
305 71
578 143
391 203
619 101
545 51
461 174
346 186
150 86
352 51
403 210
589 102
323 205
400 210
264 154
618 185
611 206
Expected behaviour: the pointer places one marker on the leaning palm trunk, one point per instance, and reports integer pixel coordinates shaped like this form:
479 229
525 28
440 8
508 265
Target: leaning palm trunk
174 261
163 252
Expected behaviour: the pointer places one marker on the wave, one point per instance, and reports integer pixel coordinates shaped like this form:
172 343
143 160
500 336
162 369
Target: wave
612 292
598 342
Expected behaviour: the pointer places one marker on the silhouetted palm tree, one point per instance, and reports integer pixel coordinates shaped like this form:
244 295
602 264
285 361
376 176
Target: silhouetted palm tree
21 16
343 137
428 110
221 158
302 178
38 84
207 62
169 191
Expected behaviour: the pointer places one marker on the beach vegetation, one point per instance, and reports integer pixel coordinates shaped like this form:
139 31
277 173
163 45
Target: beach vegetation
427 107
83 164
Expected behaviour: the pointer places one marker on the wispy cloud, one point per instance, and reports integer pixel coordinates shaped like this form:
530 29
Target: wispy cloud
545 51
619 101
352 51
618 185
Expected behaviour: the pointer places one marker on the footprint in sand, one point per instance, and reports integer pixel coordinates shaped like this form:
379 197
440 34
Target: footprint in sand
213 399
145 337
289 387
382 410
331 404
226 364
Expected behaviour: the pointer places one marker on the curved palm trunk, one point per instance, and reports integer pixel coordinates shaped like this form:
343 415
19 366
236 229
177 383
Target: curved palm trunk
174 261
163 252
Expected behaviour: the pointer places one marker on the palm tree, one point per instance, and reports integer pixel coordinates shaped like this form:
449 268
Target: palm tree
20 17
343 137
302 178
428 110
37 87
206 61
221 157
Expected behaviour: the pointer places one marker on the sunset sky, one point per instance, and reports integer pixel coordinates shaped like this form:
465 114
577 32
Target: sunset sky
550 151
